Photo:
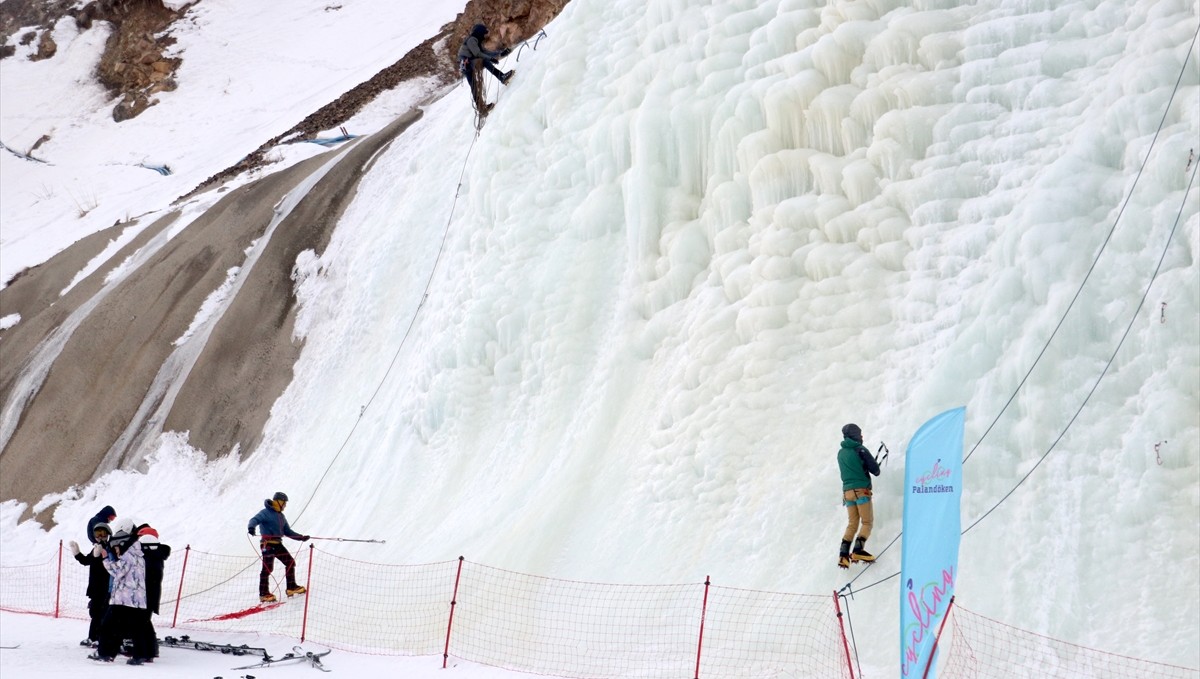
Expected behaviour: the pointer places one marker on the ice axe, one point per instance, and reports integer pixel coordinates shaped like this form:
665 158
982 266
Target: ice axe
884 449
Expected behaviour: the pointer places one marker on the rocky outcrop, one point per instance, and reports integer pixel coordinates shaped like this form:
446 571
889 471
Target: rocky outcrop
17 14
133 67
46 47
508 21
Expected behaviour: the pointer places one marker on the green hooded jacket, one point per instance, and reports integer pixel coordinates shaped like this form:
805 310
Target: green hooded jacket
855 461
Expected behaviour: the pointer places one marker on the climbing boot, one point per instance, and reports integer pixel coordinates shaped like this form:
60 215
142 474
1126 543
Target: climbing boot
267 598
844 555
860 554
506 77
298 589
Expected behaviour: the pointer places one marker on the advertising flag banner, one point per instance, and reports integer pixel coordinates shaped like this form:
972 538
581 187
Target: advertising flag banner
932 528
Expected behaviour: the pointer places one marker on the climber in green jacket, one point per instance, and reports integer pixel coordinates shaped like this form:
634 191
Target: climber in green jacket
856 465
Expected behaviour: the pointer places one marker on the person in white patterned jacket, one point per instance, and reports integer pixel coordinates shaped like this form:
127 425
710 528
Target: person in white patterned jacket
124 561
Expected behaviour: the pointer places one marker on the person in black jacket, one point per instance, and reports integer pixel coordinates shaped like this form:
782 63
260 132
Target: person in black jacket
472 56
856 465
97 589
155 554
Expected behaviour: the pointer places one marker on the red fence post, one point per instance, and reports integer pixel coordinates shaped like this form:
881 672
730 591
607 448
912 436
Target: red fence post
179 594
58 585
307 595
703 615
453 603
837 606
933 649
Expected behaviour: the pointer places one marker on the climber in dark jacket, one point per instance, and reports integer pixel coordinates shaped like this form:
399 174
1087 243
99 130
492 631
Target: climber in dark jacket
273 526
856 464
471 56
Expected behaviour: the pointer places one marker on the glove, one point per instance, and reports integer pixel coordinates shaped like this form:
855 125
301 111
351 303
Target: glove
74 547
303 538
506 51
98 551
252 531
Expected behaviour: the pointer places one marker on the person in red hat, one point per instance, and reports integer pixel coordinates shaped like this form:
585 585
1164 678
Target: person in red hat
156 554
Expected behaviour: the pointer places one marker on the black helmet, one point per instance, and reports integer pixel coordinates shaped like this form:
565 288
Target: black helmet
852 432
280 497
479 30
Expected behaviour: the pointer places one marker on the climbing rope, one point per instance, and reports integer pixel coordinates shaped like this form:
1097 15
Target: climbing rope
425 294
403 340
1095 261
1103 246
1112 357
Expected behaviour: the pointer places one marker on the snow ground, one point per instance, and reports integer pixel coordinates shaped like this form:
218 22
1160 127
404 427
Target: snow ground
49 649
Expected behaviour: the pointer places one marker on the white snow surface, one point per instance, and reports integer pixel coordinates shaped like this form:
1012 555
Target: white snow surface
692 241
49 649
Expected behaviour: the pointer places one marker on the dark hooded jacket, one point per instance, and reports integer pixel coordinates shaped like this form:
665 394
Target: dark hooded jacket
272 524
855 462
156 554
472 47
98 578
100 517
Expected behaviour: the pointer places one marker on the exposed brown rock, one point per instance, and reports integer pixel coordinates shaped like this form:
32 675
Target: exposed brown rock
133 59
15 14
131 107
95 386
92 392
133 53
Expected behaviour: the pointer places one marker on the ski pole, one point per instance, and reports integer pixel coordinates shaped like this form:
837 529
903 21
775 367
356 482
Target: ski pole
380 542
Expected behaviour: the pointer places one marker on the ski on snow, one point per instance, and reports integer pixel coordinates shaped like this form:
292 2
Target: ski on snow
298 655
228 649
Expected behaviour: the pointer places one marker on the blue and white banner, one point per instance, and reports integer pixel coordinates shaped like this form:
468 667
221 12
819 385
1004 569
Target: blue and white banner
932 528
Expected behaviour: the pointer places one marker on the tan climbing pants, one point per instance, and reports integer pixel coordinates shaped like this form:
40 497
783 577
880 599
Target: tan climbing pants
858 507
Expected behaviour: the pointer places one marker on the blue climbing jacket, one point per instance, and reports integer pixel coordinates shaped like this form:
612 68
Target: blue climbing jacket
272 524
